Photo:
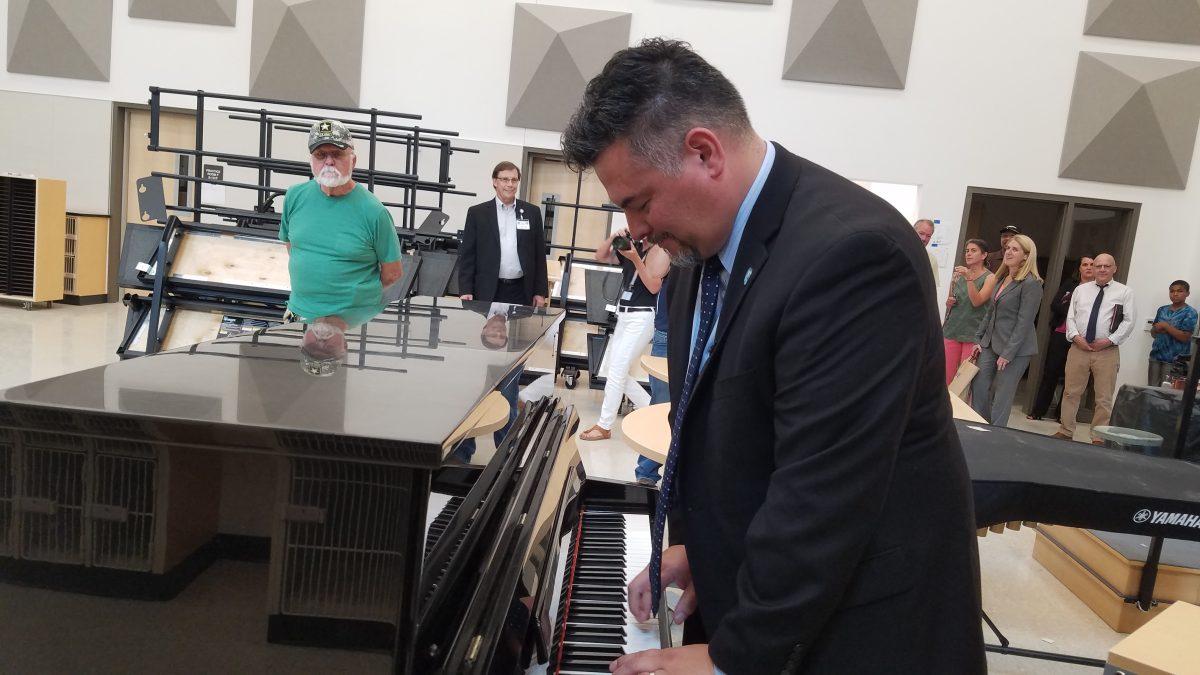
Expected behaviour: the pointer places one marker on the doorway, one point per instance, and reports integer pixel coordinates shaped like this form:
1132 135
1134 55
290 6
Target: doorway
1065 229
131 161
176 130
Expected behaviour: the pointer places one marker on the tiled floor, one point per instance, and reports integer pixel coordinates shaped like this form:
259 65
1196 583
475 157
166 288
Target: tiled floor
1028 604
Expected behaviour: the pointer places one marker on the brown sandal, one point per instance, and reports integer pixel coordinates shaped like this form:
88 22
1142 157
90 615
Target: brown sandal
596 433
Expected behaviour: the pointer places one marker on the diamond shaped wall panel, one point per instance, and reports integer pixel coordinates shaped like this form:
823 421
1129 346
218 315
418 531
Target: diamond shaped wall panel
1160 20
307 50
1133 120
60 38
859 42
555 51
215 12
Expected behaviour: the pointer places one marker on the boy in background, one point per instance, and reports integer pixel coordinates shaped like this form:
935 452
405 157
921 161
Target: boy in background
1172 330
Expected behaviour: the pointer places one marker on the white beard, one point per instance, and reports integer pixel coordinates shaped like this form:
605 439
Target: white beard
331 178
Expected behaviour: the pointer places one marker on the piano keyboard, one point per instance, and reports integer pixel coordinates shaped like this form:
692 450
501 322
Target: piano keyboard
594 625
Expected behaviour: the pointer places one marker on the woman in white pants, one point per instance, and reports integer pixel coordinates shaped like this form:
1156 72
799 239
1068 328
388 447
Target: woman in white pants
641 277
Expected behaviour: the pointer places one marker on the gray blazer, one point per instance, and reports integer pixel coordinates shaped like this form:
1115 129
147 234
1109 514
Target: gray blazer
1008 327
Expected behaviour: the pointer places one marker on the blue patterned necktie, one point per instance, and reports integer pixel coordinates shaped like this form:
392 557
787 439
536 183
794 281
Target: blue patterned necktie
710 286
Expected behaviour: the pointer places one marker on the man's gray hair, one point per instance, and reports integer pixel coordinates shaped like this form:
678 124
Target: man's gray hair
652 95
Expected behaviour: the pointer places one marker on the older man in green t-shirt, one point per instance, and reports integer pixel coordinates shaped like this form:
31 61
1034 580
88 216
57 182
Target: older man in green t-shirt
341 240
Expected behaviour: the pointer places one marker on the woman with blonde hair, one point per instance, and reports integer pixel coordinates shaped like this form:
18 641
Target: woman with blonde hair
1005 341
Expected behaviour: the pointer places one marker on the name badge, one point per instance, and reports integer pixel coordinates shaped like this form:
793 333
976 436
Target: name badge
627 296
522 224
610 308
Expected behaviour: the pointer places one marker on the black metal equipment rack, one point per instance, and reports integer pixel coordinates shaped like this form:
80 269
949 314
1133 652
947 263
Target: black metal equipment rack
576 311
262 221
371 129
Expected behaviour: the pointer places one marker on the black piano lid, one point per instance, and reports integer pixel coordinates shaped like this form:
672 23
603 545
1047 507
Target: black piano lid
410 378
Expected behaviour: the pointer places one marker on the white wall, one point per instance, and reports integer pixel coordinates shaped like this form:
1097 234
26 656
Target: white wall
986 102
59 137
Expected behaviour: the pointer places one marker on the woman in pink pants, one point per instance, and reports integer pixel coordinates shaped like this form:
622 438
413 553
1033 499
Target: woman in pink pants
970 291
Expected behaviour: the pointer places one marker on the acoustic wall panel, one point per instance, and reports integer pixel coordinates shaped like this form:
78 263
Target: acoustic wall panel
307 50
60 38
1160 20
555 51
860 42
1132 120
215 12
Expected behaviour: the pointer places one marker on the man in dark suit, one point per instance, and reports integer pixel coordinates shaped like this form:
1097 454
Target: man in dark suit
502 254
820 504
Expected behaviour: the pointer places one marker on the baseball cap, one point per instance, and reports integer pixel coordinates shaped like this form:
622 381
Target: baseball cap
332 132
1011 229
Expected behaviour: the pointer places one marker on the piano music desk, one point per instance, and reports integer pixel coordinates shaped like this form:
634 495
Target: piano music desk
647 430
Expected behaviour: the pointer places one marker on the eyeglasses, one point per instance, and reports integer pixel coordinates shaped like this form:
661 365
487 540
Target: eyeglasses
509 181
337 155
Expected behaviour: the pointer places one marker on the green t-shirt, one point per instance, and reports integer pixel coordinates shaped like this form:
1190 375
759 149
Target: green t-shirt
338 244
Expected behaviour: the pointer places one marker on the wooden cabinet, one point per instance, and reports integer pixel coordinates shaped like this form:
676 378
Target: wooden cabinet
85 263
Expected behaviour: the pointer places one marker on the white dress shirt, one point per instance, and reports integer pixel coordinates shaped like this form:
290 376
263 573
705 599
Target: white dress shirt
1115 293
506 219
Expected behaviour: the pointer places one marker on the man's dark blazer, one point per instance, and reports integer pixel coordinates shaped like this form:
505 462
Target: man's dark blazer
823 496
479 252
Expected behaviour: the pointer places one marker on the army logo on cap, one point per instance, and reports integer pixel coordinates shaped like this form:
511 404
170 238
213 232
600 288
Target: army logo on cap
329 131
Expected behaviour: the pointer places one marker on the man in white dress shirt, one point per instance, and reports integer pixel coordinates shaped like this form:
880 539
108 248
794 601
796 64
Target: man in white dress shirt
502 248
1101 318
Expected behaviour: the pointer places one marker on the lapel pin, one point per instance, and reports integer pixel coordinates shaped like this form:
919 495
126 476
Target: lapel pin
746 280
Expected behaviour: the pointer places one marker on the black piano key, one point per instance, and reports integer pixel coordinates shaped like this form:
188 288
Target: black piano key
594 652
602 594
605 614
597 620
577 638
585 665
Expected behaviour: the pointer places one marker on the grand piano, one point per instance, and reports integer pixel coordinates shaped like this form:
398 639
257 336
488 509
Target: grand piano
217 507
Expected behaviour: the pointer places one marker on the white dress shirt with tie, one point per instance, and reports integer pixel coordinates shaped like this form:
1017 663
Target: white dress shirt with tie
506 219
1115 293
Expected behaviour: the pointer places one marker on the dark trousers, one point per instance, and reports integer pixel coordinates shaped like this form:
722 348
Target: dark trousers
1052 373
512 292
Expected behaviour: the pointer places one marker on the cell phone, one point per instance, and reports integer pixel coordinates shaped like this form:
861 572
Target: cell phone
621 243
